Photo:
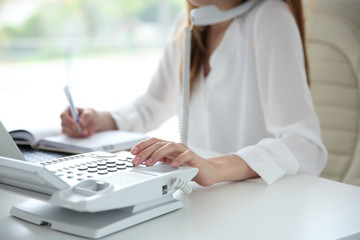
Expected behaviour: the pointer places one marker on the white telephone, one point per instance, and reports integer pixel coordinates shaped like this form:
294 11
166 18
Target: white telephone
203 16
93 194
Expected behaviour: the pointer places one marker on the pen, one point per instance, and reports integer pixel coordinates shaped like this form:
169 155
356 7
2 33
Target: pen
73 109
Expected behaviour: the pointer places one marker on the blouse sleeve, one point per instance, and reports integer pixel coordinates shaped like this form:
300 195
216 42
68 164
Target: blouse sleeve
296 145
159 102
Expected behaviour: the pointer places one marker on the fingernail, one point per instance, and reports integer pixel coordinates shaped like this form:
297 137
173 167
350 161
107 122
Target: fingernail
134 150
175 163
136 160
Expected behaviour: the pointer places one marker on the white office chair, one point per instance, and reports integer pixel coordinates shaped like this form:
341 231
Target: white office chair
333 40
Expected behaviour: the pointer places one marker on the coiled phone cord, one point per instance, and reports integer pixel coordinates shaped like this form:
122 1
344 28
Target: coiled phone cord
178 183
186 85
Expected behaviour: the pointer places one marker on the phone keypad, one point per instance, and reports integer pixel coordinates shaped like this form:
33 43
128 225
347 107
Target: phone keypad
91 165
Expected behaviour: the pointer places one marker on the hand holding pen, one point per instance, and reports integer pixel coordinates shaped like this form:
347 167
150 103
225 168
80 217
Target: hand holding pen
89 120
73 109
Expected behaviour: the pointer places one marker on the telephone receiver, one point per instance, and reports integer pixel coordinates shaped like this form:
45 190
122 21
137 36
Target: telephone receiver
211 14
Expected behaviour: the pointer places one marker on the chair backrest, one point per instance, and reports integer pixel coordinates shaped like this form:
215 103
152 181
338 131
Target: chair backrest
333 41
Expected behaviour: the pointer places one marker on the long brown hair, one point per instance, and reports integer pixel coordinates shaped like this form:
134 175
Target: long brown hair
198 41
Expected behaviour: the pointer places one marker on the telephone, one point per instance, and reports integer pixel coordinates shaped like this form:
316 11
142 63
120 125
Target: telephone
202 16
93 194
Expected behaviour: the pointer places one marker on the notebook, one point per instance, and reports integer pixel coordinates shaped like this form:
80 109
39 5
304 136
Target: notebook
8 148
52 139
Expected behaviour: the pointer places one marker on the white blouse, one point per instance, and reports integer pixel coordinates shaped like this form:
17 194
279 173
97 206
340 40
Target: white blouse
254 103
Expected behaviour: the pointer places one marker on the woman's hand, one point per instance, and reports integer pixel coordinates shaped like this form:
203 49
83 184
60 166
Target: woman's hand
153 150
89 121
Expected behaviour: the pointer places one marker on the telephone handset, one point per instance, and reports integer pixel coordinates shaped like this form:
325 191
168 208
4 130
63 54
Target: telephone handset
209 15
202 16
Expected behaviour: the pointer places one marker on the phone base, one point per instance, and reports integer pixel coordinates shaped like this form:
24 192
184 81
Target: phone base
85 224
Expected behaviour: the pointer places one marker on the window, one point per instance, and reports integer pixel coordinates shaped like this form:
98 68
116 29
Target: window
108 51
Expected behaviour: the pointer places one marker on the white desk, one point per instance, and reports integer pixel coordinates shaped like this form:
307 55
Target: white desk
296 207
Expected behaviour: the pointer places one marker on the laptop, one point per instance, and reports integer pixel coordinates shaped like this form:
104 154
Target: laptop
8 148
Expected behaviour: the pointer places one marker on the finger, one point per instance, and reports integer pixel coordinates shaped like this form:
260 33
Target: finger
86 116
144 144
66 111
69 129
87 132
67 120
169 152
70 132
188 157
65 116
145 154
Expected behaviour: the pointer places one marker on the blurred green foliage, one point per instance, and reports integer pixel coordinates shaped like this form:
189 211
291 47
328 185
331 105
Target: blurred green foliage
53 21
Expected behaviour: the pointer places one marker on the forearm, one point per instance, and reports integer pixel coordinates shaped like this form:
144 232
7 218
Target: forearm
229 168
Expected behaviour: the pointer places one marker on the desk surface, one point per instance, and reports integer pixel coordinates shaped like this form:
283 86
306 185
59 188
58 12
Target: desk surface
296 207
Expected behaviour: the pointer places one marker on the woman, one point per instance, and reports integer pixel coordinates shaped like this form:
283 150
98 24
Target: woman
250 99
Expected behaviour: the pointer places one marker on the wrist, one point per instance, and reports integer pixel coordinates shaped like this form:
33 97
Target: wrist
207 173
231 168
105 121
